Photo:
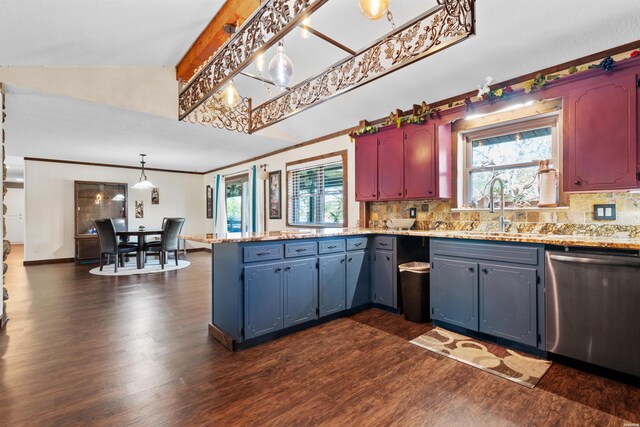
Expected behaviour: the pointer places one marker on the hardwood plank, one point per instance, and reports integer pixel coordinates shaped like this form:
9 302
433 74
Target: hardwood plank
82 349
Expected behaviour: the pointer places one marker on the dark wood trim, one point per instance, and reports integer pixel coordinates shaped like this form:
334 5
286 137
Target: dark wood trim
108 165
345 187
328 39
48 261
283 150
224 339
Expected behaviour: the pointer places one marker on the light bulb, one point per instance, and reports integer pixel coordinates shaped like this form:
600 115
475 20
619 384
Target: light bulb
374 9
281 68
230 95
260 62
303 31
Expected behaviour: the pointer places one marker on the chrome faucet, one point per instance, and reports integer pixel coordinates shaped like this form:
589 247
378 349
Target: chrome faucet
501 220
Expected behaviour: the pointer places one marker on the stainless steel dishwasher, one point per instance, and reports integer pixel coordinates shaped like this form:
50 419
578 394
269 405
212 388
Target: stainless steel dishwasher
593 308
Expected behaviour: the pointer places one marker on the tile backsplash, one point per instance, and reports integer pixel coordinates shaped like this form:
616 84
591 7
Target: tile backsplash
577 218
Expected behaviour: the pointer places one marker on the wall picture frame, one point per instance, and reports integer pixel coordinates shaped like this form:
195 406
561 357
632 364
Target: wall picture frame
155 196
275 195
139 209
209 199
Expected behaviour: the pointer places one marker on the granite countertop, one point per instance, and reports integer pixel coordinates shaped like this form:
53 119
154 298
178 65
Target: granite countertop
547 239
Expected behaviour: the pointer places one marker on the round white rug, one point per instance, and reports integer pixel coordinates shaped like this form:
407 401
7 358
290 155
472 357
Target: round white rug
131 269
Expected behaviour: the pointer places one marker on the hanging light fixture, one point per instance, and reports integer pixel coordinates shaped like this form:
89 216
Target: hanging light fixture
304 33
143 183
281 68
230 95
374 9
260 63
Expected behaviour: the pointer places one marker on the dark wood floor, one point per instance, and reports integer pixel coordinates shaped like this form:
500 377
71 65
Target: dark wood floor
83 350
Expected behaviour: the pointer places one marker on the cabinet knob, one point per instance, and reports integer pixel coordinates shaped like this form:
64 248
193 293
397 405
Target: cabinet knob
578 183
485 271
400 194
470 269
430 191
342 261
287 268
350 259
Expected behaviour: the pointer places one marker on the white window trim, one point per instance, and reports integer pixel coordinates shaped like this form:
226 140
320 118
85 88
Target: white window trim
520 125
318 161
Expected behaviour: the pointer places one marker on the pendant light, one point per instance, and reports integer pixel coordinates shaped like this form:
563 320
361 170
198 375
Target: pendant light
143 183
304 33
260 63
230 95
281 68
374 9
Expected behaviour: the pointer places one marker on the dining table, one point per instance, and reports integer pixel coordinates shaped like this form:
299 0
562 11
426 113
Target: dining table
140 234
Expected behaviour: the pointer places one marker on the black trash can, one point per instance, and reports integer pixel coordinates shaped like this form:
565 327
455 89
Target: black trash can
414 277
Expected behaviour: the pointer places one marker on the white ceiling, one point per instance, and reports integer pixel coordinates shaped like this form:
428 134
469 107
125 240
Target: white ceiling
513 38
90 33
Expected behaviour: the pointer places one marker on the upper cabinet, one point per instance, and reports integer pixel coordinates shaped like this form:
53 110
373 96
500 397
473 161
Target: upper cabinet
411 162
600 150
390 164
367 168
419 162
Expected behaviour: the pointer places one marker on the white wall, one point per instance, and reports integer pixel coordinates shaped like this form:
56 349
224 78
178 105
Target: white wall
49 203
279 161
152 90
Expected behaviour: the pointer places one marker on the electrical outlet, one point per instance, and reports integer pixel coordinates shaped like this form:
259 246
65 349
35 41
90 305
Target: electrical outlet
424 207
604 212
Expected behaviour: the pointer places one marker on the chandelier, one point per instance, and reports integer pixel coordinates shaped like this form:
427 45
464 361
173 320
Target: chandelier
210 96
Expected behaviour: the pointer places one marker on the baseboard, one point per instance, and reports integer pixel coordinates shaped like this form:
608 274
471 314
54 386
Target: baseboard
227 342
48 261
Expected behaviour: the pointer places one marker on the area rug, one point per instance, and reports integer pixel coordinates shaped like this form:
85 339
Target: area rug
131 269
497 360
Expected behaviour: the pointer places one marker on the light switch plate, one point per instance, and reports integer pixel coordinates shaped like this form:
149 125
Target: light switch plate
604 212
412 212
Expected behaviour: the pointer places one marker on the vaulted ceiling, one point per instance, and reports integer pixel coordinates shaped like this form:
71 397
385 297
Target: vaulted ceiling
512 38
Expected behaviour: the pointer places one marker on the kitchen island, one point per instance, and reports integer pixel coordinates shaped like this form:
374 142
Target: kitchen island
270 284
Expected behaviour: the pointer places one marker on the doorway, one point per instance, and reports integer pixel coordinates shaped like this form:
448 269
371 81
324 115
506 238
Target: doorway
14 200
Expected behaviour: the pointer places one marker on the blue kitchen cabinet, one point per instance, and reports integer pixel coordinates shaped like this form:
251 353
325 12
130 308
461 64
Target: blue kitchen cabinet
358 279
300 291
263 296
508 302
454 292
332 284
384 280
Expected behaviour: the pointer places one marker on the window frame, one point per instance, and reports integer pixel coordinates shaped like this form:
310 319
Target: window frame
504 128
343 154
236 179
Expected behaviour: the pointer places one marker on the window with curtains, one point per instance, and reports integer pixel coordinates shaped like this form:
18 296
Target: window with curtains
237 190
316 192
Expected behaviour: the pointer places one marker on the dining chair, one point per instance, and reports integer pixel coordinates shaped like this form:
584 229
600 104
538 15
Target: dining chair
109 243
168 241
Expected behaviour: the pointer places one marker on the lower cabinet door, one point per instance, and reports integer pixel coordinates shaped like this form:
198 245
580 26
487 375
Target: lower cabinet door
300 291
383 283
358 273
332 284
262 299
508 307
454 292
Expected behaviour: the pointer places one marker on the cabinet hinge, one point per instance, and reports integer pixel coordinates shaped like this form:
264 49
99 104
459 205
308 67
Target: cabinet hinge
432 310
242 331
539 338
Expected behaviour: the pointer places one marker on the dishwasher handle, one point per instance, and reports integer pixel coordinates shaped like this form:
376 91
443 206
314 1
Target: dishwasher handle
613 260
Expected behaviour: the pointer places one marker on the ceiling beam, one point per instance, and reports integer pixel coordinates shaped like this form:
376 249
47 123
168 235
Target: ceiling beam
214 36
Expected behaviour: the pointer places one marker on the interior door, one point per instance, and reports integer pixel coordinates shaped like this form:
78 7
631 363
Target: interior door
14 199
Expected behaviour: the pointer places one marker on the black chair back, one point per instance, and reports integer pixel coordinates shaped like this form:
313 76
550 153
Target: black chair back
164 222
107 235
172 228
120 224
